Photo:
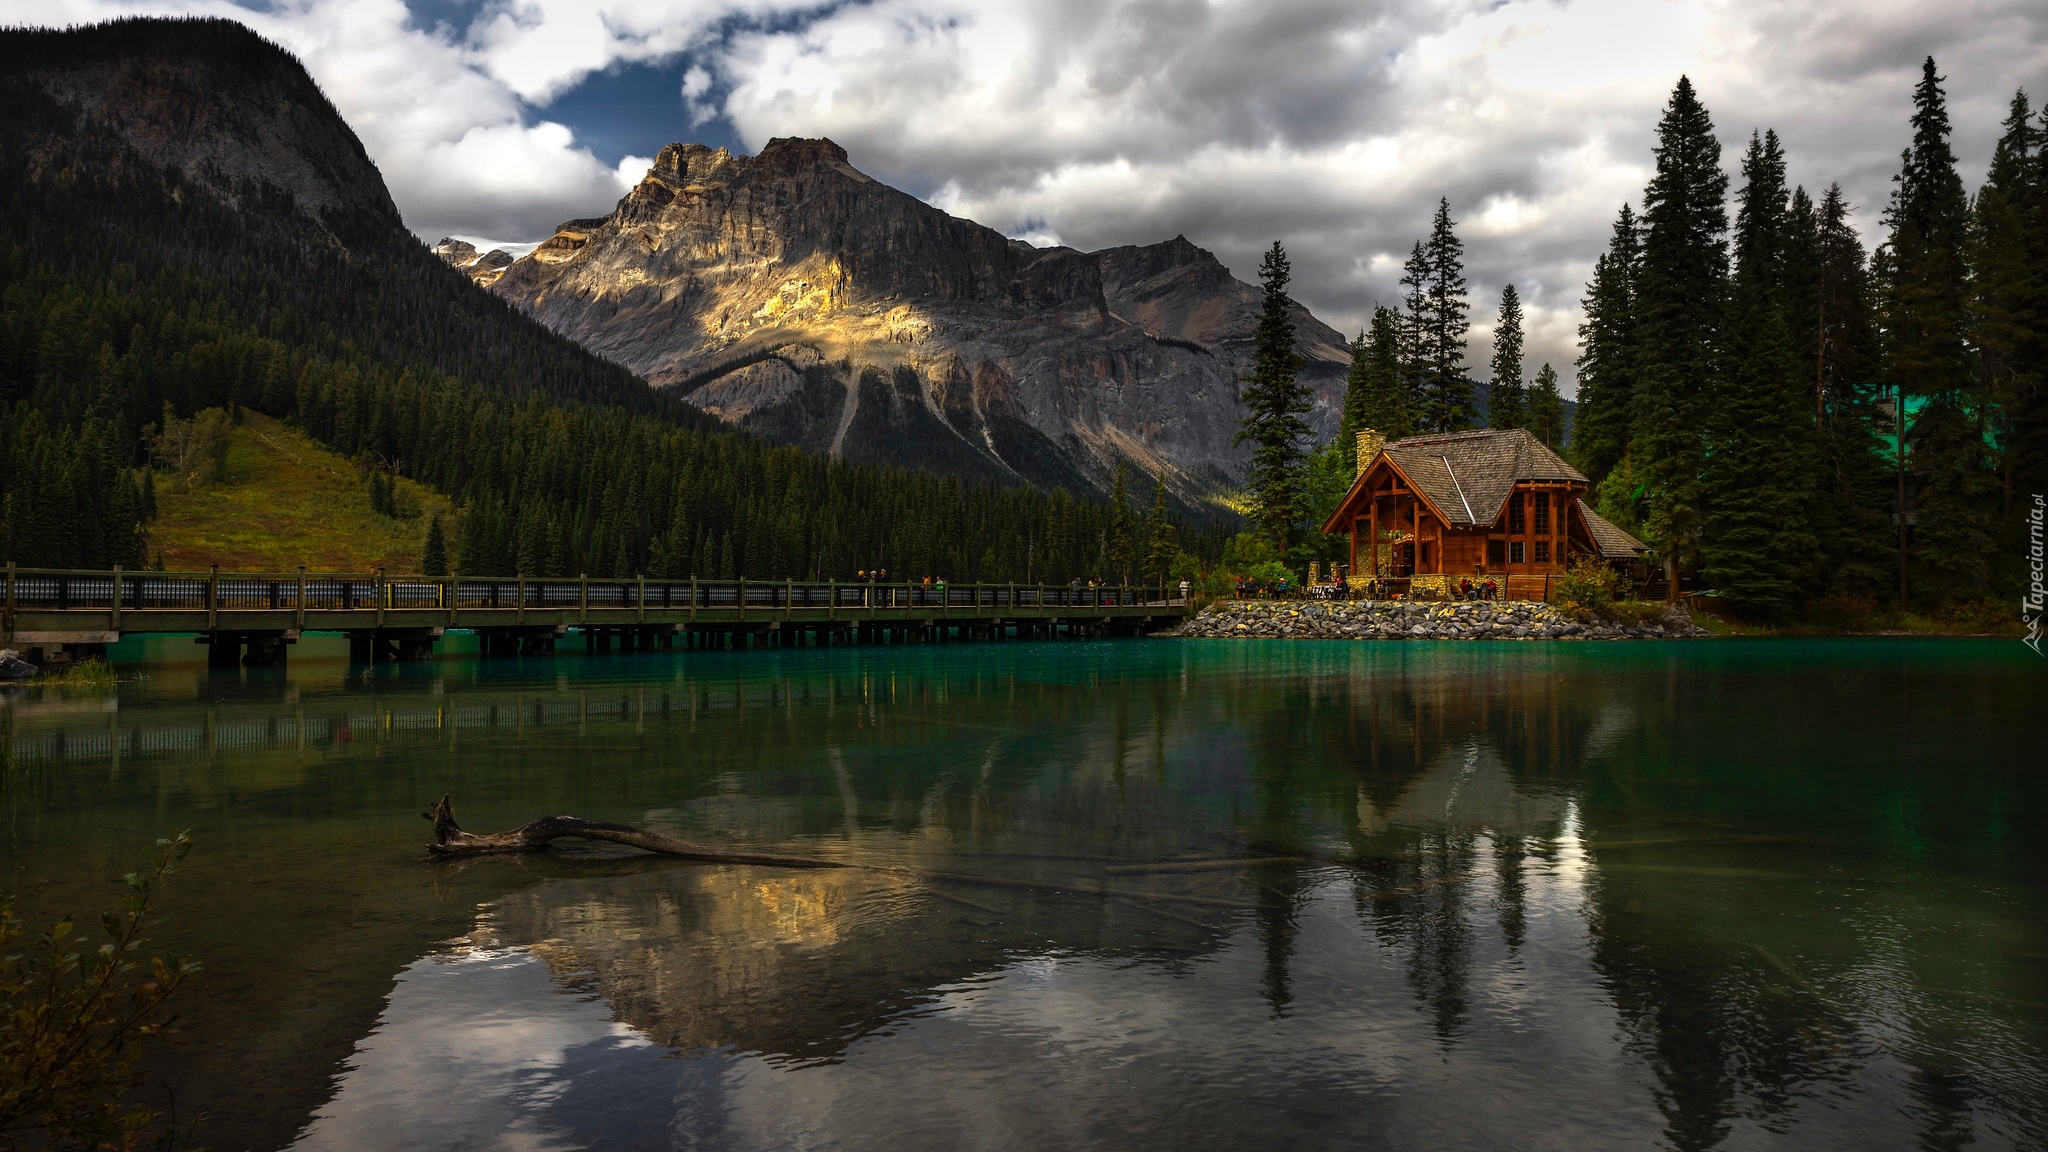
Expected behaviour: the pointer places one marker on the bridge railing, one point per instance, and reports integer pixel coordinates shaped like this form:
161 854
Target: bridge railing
64 590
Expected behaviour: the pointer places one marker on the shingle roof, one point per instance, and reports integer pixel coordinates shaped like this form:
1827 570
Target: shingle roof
1468 475
1614 544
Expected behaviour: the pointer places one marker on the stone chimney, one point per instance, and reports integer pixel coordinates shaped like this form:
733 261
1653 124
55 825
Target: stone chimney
1369 444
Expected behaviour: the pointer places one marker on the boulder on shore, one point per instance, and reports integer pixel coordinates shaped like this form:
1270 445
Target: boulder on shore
13 667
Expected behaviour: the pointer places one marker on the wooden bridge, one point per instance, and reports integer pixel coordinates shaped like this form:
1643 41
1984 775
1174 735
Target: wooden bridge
253 617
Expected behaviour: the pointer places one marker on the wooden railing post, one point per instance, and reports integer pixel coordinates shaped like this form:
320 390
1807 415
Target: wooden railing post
451 598
212 597
742 600
693 598
640 599
583 597
521 577
10 601
115 617
789 598
831 599
299 605
379 589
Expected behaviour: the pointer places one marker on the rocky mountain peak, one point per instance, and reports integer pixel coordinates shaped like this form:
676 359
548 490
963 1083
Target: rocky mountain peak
152 90
792 294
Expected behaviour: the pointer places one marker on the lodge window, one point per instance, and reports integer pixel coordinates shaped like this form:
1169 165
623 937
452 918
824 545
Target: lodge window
1496 553
1518 517
1515 552
1542 521
1542 551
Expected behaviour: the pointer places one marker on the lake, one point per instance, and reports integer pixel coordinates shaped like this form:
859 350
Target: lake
1200 894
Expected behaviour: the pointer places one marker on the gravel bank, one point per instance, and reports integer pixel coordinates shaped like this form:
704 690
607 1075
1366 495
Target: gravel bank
1417 620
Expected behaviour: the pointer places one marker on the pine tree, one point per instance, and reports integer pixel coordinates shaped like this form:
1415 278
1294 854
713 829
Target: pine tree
1123 542
1680 294
2009 309
1358 384
1447 394
1546 408
1757 542
1161 546
1507 403
1413 330
1389 403
1839 335
1923 328
1607 359
1275 402
434 553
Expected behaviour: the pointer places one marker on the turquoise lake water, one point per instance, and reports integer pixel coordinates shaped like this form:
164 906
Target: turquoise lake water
1207 894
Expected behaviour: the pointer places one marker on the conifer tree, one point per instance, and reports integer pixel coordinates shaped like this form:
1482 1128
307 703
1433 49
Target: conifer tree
1447 396
1389 404
1275 403
1680 292
1546 408
1123 542
1507 403
1607 360
1413 344
1756 541
1161 546
1923 328
434 553
1358 387
2009 314
1840 335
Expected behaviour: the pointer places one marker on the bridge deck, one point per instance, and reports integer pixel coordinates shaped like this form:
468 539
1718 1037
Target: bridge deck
46 606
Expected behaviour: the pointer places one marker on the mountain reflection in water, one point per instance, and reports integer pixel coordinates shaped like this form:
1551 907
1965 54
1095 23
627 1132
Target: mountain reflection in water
1210 894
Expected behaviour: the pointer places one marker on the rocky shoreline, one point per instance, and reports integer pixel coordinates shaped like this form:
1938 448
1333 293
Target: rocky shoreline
1419 620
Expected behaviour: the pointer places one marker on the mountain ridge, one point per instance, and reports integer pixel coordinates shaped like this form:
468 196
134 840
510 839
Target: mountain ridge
764 287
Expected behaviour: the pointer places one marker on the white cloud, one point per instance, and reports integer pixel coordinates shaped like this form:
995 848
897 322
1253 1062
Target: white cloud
1332 125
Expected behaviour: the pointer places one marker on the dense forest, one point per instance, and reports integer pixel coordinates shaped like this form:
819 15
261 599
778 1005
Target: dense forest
1741 388
131 301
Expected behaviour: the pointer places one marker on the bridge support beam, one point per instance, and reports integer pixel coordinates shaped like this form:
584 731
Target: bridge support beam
382 645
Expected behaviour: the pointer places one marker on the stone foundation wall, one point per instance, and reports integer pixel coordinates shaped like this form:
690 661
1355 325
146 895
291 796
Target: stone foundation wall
1417 620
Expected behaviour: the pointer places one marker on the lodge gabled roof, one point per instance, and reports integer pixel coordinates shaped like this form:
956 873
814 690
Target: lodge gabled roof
1613 543
1468 475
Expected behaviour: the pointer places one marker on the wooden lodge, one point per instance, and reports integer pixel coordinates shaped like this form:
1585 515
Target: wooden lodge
1428 511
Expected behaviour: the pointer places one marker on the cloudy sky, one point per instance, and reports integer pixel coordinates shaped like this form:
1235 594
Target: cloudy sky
1331 125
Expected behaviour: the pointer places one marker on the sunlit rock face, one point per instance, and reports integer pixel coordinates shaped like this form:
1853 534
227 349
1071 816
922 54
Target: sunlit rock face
793 295
483 267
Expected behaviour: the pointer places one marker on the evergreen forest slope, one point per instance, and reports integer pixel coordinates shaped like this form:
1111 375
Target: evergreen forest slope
186 224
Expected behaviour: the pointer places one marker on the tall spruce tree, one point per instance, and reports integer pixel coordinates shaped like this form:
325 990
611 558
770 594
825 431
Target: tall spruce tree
1389 404
434 553
1275 402
1447 396
1924 329
1680 296
1837 335
2009 314
1123 546
1757 544
1507 401
1607 358
1357 391
1414 331
1161 544
1546 408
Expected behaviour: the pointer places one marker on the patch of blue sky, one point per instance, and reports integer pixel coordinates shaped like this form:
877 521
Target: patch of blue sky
634 109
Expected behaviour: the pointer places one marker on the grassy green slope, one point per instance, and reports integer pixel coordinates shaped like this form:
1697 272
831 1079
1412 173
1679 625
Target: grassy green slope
286 501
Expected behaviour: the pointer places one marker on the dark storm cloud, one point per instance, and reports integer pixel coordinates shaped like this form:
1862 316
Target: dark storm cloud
1332 125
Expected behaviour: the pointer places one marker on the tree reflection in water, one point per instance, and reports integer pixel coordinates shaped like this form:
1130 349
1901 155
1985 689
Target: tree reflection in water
1413 895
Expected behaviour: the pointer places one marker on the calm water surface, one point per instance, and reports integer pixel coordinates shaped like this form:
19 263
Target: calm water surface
1281 895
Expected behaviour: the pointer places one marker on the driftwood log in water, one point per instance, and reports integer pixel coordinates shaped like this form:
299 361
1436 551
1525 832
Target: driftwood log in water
450 841
535 835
